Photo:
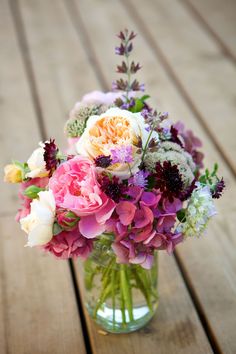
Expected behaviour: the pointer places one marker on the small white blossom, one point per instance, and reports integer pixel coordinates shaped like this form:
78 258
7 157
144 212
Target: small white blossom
39 223
37 164
200 209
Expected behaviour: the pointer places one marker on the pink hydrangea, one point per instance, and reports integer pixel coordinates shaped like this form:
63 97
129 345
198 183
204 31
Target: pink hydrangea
143 224
75 187
164 241
96 98
69 244
127 252
25 207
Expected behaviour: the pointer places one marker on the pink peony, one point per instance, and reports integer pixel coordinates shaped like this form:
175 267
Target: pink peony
25 209
75 187
69 244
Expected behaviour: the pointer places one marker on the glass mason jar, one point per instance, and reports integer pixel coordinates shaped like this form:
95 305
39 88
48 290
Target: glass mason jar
121 298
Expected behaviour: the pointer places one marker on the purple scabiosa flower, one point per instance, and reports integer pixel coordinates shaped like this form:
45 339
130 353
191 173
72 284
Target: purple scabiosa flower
139 179
103 161
122 154
219 187
50 155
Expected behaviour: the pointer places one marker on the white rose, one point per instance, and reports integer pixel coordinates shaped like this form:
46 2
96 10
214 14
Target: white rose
110 130
39 223
37 164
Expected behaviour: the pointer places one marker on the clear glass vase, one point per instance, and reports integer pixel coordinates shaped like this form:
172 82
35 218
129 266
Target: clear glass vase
121 298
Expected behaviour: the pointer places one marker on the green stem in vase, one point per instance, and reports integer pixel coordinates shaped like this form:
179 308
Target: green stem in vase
113 297
142 286
105 293
122 306
126 290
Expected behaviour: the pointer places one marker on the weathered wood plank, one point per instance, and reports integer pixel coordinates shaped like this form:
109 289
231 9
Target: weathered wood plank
175 327
209 262
14 91
38 304
218 17
203 75
60 65
38 311
40 34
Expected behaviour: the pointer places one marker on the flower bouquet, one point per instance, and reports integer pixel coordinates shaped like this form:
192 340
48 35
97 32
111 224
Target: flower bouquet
129 185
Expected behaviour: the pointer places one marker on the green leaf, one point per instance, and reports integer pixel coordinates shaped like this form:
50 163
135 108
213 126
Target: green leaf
32 191
138 106
144 98
56 229
181 215
23 166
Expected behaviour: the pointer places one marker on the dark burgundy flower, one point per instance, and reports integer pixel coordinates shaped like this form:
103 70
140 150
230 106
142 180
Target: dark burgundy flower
220 186
188 191
50 155
168 180
174 136
112 187
103 161
191 144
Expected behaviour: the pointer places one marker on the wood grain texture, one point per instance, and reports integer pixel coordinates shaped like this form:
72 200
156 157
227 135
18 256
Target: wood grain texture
209 262
175 327
15 105
59 62
38 311
202 73
37 300
218 18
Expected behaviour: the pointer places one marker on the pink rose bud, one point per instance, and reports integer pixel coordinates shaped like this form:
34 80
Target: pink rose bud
67 219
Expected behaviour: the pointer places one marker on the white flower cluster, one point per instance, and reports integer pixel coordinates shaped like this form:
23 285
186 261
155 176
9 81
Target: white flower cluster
200 209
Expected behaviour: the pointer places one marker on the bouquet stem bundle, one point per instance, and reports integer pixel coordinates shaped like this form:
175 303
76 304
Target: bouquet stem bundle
120 289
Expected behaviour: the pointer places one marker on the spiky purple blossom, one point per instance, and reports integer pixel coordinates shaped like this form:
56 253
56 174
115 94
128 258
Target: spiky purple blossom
220 186
50 155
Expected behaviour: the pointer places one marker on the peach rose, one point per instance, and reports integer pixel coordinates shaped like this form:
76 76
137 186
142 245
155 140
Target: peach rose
110 130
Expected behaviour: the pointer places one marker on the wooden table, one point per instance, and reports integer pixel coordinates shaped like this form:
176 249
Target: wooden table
54 51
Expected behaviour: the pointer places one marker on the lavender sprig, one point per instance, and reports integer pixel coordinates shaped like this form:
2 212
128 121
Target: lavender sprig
126 67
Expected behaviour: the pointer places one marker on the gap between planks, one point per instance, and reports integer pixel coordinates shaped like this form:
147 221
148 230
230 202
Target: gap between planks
24 49
208 28
77 20
197 304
